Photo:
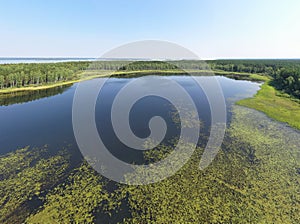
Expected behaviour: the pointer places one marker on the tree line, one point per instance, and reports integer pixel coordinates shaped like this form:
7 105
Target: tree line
285 73
18 75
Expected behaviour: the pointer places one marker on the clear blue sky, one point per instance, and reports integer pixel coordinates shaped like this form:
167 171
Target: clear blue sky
210 28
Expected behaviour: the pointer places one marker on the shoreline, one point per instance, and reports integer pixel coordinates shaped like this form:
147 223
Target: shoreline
102 74
266 100
270 101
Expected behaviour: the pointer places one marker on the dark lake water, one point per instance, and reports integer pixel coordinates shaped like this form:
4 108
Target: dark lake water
45 117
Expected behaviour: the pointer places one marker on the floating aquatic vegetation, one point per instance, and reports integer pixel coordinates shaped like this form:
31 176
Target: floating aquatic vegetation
77 200
26 177
252 180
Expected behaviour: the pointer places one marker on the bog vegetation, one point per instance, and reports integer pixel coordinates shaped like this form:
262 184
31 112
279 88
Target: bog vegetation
254 179
276 105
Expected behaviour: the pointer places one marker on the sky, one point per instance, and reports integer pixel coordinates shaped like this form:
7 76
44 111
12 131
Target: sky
210 28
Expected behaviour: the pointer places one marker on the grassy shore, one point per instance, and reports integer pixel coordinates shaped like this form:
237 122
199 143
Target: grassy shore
269 101
97 74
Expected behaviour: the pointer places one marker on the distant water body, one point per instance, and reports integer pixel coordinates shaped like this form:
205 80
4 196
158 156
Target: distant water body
4 60
41 60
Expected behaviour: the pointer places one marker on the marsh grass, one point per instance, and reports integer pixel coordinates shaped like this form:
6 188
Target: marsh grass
272 103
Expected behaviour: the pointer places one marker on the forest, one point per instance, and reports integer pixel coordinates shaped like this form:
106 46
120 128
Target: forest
19 75
288 80
285 74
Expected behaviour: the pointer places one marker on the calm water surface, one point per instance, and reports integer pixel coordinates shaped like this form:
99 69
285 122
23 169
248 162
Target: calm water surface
34 121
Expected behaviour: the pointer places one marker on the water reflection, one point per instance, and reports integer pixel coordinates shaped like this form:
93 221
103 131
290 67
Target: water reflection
28 96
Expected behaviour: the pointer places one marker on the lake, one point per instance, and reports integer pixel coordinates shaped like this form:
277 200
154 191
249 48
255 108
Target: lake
45 117
253 177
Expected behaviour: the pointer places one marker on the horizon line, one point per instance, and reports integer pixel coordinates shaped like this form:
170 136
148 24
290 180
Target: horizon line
75 57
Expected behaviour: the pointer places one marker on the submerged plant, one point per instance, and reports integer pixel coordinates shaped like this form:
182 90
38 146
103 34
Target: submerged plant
25 178
252 180
77 200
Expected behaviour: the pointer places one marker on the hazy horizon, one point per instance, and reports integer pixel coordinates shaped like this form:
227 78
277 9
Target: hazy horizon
258 29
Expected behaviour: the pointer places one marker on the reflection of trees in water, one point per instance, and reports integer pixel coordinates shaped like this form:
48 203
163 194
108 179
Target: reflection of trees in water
27 96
